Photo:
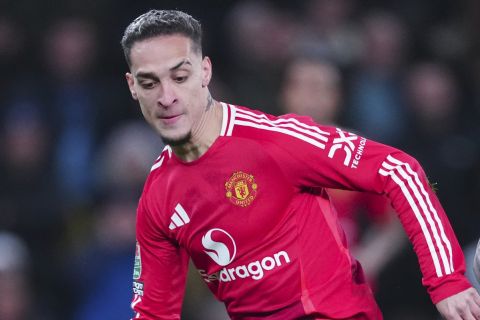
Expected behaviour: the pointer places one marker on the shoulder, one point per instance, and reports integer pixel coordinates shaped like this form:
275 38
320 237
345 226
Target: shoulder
244 122
158 167
149 213
162 158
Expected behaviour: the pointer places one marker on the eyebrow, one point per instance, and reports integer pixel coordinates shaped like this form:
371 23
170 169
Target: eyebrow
151 75
181 63
147 75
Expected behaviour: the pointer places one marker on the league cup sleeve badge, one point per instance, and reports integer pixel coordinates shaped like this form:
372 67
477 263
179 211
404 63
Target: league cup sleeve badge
137 272
137 268
241 189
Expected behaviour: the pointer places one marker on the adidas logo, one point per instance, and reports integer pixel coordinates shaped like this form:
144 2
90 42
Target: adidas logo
179 217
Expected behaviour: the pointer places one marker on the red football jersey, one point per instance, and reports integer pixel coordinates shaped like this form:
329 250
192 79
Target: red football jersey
253 215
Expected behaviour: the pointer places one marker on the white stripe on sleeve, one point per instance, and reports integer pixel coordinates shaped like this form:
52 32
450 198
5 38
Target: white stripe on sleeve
418 215
413 189
430 206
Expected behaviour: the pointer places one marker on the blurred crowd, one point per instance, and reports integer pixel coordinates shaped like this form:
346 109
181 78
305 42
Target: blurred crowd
74 151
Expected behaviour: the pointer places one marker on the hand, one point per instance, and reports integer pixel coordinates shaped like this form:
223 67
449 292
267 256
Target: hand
461 306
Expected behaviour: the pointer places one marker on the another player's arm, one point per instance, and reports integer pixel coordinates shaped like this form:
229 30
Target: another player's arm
476 263
159 273
350 162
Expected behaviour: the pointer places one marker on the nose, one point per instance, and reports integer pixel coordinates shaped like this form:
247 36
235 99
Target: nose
167 95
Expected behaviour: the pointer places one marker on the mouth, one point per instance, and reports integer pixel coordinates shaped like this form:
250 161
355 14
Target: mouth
169 119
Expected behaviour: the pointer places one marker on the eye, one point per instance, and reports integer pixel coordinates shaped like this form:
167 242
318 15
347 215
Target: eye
180 79
147 85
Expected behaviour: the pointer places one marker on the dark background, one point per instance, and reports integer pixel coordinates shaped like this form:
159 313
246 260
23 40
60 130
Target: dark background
74 151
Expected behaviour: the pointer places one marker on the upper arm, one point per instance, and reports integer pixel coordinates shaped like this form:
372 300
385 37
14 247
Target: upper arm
320 156
159 272
343 160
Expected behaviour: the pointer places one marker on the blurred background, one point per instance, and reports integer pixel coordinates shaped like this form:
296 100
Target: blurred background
74 151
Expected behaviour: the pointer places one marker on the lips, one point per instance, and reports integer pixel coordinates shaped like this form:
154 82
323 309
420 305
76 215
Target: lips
169 119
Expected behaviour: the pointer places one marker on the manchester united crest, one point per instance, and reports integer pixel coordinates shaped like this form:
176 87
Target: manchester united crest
241 189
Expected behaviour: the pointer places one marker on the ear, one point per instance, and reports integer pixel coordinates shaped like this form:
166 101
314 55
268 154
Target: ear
206 71
131 82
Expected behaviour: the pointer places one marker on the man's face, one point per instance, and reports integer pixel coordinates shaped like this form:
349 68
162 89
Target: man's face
169 79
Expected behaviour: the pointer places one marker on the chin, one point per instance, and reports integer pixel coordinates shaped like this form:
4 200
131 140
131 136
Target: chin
176 141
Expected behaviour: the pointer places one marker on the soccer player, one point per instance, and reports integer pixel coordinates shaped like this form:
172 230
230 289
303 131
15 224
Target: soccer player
241 193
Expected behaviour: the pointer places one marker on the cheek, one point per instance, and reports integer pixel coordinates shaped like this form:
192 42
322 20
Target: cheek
144 108
194 96
146 99
194 90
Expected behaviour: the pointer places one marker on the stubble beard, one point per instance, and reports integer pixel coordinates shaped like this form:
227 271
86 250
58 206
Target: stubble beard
178 141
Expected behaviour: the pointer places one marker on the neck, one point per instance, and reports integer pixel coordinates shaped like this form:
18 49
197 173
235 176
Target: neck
203 134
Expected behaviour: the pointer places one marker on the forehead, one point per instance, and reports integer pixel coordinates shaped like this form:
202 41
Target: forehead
162 51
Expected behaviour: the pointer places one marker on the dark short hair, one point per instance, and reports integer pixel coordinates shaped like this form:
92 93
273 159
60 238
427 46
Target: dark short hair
161 22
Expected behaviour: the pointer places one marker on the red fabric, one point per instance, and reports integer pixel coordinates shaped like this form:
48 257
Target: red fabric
253 215
353 206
